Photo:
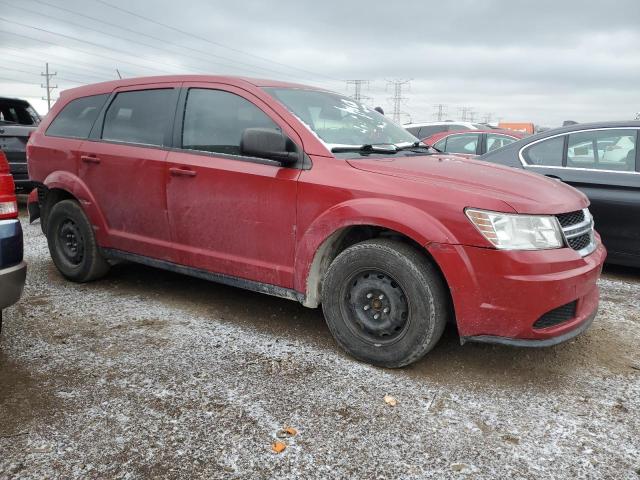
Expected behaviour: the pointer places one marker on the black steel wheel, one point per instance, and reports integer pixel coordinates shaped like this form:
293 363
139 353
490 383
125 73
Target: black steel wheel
72 244
376 307
385 302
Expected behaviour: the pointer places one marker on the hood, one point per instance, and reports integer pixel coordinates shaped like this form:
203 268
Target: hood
525 192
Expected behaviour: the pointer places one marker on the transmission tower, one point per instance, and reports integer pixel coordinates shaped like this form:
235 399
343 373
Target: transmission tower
47 85
488 117
464 113
441 111
357 89
397 98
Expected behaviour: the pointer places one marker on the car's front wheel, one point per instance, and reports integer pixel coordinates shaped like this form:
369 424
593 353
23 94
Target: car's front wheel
385 302
72 244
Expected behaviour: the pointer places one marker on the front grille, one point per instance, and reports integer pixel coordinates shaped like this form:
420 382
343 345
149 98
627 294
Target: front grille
571 218
557 316
577 228
578 243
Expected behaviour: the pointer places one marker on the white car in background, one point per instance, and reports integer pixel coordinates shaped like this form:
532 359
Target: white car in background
427 129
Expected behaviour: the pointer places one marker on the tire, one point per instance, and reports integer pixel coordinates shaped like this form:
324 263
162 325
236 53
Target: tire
72 244
399 284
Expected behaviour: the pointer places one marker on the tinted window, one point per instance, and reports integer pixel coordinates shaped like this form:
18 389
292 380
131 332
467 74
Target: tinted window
431 130
413 131
142 116
466 143
77 117
497 141
603 150
547 153
440 144
215 120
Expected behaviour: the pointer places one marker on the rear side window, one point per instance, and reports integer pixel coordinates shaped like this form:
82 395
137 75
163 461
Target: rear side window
603 150
141 116
214 121
77 117
495 141
547 153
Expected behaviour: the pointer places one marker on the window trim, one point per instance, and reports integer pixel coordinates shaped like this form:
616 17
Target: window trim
564 153
98 127
95 121
304 164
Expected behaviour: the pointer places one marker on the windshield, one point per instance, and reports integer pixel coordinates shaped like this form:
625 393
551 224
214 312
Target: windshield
341 121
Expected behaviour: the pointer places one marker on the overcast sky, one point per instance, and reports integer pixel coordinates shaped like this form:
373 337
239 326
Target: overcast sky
540 61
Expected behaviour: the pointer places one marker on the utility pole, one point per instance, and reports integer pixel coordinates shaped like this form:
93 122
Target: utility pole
472 115
357 89
48 76
397 98
488 117
441 111
464 113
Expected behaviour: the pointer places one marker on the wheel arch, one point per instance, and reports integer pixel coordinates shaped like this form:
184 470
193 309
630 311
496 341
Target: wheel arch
63 185
338 229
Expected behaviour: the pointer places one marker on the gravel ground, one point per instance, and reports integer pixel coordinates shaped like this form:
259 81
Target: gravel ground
152 374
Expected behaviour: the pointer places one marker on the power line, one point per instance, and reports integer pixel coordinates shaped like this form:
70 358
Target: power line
153 37
93 54
23 54
49 88
193 35
155 47
93 44
397 98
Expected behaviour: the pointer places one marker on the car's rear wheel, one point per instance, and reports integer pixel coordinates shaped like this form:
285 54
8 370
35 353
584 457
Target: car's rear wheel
385 302
72 244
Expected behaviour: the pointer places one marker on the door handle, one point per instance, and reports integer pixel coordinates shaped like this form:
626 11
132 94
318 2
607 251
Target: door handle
181 172
89 159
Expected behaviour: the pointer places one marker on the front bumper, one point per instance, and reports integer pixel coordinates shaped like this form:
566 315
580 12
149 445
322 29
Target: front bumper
11 284
499 295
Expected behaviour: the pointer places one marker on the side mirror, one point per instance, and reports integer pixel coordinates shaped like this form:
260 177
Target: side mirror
268 143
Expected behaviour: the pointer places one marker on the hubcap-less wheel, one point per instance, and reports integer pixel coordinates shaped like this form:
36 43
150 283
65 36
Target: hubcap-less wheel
71 242
378 310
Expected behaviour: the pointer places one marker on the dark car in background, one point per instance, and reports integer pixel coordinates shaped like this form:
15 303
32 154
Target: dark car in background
601 160
12 267
471 143
18 120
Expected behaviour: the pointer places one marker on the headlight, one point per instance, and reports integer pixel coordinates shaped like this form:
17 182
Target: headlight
517 232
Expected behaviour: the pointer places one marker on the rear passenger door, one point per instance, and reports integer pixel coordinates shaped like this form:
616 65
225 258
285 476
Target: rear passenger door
123 165
229 213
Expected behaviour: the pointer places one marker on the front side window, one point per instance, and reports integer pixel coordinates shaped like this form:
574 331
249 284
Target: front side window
338 120
77 117
214 121
495 141
467 143
547 153
140 116
603 150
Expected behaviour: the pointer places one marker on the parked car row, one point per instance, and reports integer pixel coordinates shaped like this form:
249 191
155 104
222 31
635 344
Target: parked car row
472 143
601 160
309 195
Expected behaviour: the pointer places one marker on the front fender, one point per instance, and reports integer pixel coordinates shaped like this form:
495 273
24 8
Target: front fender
75 186
393 215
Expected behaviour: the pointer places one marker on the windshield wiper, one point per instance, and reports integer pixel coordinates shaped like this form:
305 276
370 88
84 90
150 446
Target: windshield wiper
416 145
368 148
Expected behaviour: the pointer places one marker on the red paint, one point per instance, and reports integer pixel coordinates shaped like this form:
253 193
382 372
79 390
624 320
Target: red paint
266 223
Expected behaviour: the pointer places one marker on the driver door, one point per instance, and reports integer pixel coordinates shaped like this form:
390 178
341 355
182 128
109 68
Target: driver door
228 213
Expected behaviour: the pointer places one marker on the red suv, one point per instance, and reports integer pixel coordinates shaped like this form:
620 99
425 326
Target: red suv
309 195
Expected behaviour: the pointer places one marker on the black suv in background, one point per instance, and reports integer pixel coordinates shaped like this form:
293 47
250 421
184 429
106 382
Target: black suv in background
17 120
600 159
